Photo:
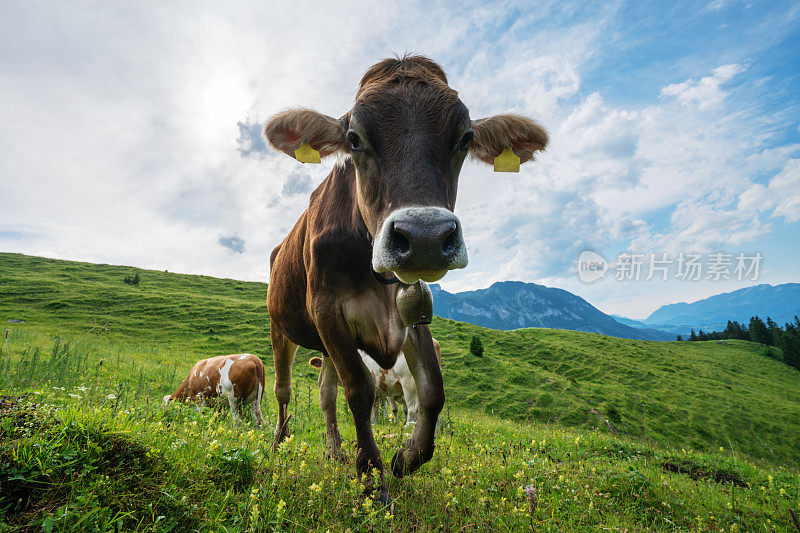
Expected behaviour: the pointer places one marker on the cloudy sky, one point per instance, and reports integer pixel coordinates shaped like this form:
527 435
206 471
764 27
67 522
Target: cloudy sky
130 131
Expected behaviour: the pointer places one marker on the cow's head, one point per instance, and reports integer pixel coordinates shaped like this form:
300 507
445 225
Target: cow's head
407 136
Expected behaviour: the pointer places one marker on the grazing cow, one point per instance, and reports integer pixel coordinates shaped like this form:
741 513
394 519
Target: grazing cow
236 377
382 218
393 385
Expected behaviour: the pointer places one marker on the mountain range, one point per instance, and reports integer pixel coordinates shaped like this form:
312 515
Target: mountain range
779 302
515 304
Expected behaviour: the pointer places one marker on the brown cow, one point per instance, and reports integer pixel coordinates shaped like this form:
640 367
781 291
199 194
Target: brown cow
236 377
387 207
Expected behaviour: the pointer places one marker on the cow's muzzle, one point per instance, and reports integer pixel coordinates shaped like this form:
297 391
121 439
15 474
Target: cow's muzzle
419 243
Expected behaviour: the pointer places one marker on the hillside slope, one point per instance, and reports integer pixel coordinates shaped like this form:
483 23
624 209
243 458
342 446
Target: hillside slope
101 462
701 395
514 304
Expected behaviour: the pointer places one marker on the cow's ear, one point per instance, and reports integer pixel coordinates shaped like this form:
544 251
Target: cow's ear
287 130
492 135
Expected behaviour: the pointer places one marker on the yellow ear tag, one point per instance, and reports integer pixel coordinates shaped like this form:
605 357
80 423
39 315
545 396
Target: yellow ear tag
306 154
507 161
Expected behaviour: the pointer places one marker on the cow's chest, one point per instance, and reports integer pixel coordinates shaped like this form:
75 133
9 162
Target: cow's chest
376 326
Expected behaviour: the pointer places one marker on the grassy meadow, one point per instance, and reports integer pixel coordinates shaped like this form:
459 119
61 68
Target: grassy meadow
602 432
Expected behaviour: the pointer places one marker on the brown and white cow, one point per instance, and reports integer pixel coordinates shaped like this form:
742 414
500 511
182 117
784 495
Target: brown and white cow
385 210
238 377
395 385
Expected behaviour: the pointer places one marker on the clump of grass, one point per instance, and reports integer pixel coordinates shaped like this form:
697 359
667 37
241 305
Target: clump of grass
62 471
705 469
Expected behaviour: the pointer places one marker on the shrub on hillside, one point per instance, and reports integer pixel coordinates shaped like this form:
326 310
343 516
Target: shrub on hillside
613 414
476 346
766 351
132 280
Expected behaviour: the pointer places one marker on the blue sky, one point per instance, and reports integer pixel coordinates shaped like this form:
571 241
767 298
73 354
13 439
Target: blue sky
130 131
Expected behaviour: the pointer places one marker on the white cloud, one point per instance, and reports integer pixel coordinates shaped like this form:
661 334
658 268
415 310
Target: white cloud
717 5
635 162
700 225
781 195
706 93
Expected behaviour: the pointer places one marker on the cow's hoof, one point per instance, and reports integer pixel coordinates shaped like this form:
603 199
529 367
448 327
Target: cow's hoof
382 498
337 456
280 436
398 464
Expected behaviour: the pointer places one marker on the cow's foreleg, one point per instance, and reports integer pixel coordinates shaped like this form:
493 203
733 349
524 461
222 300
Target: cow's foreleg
359 389
424 366
328 390
391 407
410 397
375 409
283 351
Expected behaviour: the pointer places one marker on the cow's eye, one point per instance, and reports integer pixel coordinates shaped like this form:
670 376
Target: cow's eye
465 140
355 141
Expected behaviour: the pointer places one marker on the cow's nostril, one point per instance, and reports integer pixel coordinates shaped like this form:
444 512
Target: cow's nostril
451 242
399 242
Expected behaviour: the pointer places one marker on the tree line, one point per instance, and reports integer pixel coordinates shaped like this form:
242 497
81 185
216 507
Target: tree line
767 333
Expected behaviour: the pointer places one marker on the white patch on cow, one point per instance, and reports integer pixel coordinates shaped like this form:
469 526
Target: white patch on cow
225 385
201 373
392 381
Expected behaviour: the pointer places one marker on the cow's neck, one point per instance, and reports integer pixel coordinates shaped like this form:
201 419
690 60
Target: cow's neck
183 389
368 306
338 196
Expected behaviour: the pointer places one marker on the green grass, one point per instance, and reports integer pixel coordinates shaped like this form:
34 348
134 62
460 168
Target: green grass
705 436
701 395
